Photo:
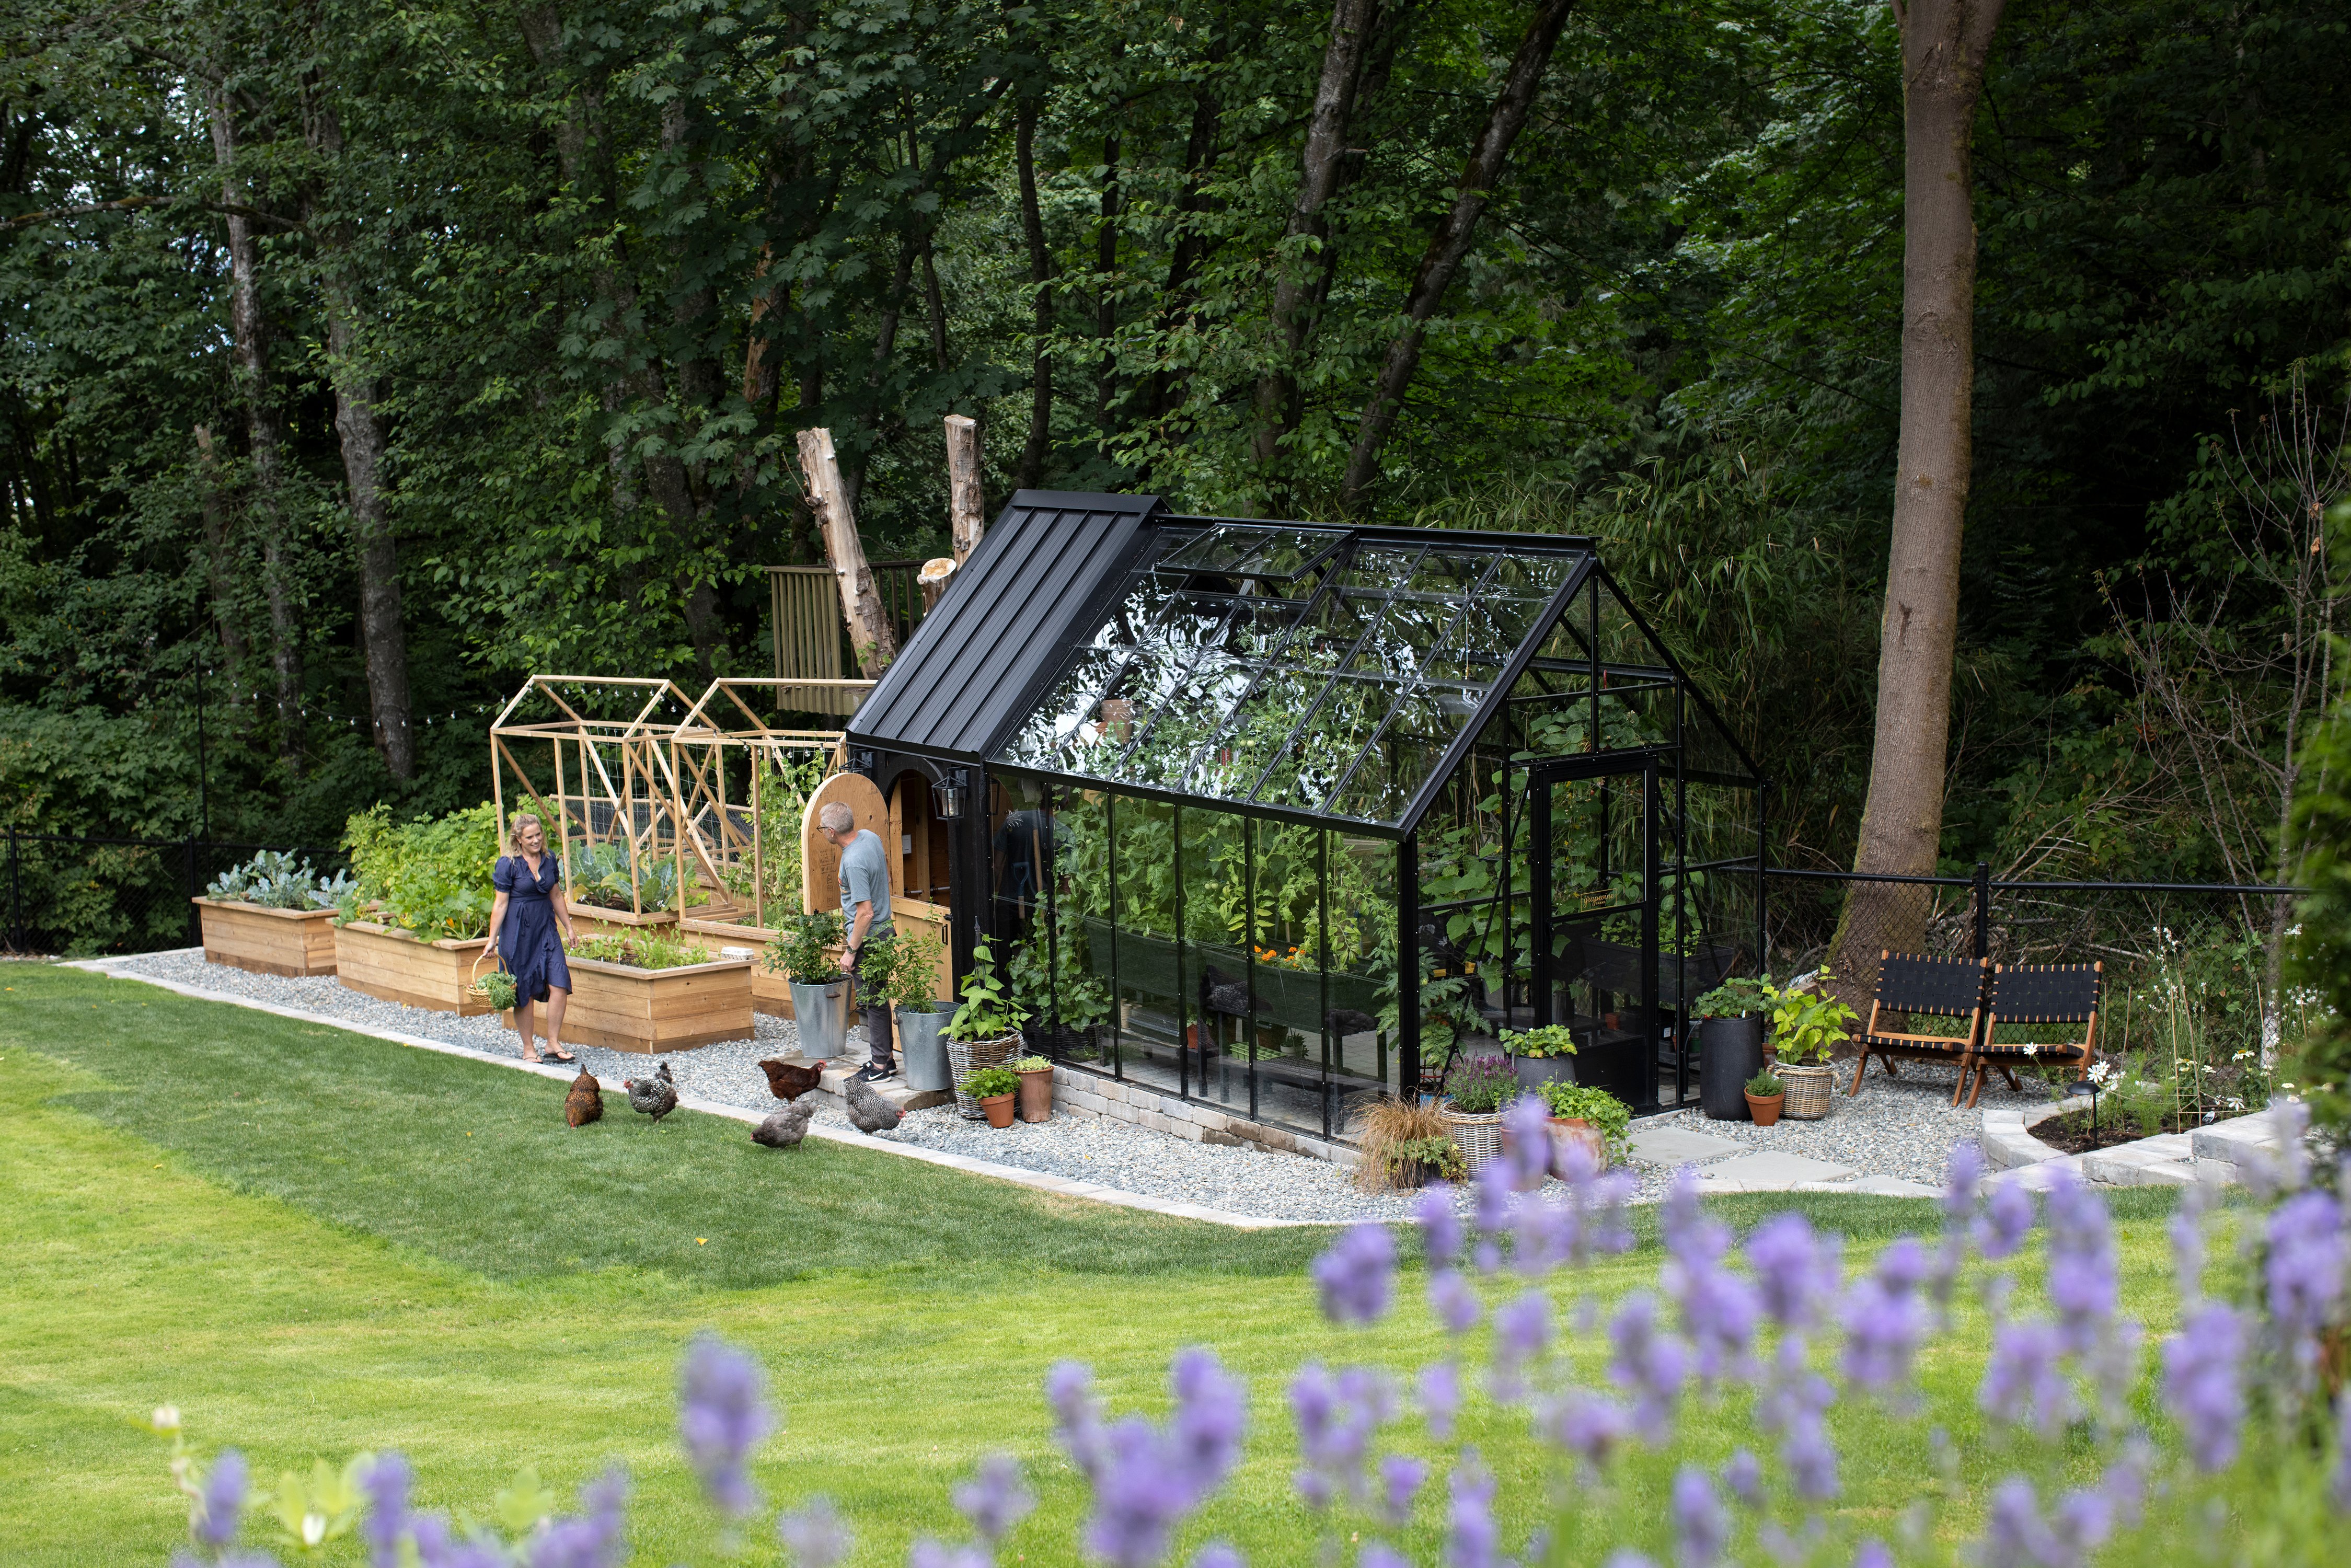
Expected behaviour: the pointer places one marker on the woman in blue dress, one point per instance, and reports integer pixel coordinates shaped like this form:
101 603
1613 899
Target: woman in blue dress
530 910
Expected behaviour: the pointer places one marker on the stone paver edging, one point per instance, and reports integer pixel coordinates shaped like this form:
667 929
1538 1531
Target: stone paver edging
1060 1186
2223 1152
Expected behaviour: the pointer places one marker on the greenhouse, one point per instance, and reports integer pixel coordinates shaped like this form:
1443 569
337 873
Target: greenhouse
1285 816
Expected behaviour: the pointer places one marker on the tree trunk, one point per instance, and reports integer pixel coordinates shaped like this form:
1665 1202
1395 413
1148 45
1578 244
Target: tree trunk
1320 159
967 507
861 602
249 337
1944 46
1106 296
216 546
1191 248
1450 243
1040 276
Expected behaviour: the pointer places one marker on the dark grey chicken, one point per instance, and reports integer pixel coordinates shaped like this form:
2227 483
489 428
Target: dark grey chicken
787 1127
655 1096
868 1112
1223 993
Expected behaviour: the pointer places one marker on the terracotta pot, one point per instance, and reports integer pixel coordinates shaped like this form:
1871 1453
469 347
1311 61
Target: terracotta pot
1036 1096
1765 1110
998 1110
1566 1133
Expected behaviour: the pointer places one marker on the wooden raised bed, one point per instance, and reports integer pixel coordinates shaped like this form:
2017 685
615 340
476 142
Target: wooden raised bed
267 941
653 1011
402 967
591 920
771 993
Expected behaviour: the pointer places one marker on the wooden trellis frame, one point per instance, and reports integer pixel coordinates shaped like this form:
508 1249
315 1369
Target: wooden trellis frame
699 747
625 765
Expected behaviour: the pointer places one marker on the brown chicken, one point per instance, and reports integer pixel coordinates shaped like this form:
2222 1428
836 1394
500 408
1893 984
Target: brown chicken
585 1104
788 1080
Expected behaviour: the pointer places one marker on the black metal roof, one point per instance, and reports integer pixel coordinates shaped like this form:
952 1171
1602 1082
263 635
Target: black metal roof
1009 612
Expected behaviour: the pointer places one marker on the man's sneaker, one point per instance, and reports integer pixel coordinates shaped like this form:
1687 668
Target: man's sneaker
874 1071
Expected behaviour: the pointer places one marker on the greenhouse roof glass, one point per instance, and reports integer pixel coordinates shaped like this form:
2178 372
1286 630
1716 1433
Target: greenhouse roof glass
1300 670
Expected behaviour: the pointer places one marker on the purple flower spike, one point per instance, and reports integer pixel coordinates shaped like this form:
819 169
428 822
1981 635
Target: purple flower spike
1219 1554
1649 1365
1522 1330
2023 1382
1400 1478
1380 1555
1139 1499
1336 1419
1441 1224
1454 1300
1471 1538
2016 1535
2007 1220
1701 1527
2187 1227
1872 1553
1742 1474
1626 1557
386 1484
929 1554
2201 1383
2083 1267
2303 1276
1797 1270
1811 1460
1356 1275
995 1500
1527 1121
1440 1397
1494 1196
1962 1178
1588 1426
596 1537
722 1416
1210 1420
1077 1416
221 1500
1884 1321
815 1537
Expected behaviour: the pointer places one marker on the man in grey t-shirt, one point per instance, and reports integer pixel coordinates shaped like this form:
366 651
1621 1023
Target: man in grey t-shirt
865 902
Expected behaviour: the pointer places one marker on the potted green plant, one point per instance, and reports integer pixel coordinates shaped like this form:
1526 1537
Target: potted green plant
1541 1056
1416 1162
986 1030
1587 1115
1477 1089
272 916
1764 1096
910 963
806 951
992 1089
1035 1088
1730 1042
1806 1025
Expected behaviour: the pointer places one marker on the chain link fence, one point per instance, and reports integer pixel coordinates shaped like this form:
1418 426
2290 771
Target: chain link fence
89 897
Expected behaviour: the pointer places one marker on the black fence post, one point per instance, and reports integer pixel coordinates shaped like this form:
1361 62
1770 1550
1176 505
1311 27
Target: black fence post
188 888
15 900
1983 909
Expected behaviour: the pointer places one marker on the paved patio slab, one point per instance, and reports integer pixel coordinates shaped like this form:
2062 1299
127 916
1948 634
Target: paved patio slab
1771 1172
1678 1146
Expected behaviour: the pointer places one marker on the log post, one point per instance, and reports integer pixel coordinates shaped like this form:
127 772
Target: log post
967 506
861 602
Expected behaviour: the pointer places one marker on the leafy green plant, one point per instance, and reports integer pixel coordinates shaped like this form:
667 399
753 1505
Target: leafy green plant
1805 1025
599 877
274 879
1765 1086
497 988
990 1081
1552 1039
1590 1104
803 945
785 786
641 950
988 1010
431 877
1442 1156
1032 1064
909 977
1480 1085
1741 997
1042 973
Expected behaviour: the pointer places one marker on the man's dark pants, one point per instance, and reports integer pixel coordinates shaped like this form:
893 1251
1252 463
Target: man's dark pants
877 1012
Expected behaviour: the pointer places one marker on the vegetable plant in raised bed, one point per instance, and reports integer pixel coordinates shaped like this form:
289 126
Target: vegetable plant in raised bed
272 916
424 888
600 892
650 991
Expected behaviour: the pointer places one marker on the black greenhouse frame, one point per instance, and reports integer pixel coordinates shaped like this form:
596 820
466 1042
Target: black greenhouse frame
1277 816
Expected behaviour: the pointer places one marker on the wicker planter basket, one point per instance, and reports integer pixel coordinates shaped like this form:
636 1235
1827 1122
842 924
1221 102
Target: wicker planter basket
965 1057
1480 1138
1809 1091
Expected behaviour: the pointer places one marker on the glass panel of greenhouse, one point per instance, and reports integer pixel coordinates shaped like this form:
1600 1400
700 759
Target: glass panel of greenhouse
1284 817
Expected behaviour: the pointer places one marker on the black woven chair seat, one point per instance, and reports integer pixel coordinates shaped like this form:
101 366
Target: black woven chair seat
2039 994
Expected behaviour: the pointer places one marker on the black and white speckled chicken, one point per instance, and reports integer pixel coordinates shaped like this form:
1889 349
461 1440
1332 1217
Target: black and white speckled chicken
655 1096
868 1112
787 1127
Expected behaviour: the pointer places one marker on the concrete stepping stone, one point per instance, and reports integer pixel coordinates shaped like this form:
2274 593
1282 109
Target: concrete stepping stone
1772 1171
1678 1146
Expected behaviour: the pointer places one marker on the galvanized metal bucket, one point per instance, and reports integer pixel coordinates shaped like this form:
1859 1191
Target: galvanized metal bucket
923 1050
822 1014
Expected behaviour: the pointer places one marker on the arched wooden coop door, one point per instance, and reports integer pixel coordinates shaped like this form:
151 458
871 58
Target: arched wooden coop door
903 823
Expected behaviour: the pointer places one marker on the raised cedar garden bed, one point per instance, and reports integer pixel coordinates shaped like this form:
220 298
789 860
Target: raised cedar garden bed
267 941
771 993
623 1007
593 920
398 966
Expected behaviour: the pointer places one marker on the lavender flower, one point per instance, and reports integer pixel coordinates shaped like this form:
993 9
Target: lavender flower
2187 1227
994 1500
1219 1554
1884 1321
1209 1422
596 1537
1626 1557
2084 1282
1491 1212
1872 1553
1811 1457
1336 1419
1962 1179
722 1416
2023 1383
220 1501
2084 1519
1743 1475
386 1484
1400 1478
1719 1309
1701 1527
2006 1221
1794 1403
1471 1538
1441 1224
815 1537
1521 1330
1650 1365
1377 1553
1440 1397
1589 1426
2016 1535
1452 1300
1797 1270
1077 1416
1139 1498
927 1553
2304 1275
2201 1383
1547 1235
1528 1122
1355 1275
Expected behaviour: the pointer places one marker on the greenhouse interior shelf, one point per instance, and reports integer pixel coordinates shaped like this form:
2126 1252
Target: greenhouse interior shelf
1284 816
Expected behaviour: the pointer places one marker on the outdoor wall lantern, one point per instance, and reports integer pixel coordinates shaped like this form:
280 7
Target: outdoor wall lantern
947 795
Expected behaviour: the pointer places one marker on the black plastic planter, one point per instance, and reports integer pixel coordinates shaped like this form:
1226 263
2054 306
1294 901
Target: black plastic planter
1731 1051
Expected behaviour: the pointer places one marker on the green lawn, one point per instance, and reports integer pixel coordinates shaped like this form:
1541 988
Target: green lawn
314 1242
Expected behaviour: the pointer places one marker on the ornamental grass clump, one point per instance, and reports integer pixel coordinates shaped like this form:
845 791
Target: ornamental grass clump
1736 1390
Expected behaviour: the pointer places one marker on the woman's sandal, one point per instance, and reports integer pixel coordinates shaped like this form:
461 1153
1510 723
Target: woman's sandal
560 1061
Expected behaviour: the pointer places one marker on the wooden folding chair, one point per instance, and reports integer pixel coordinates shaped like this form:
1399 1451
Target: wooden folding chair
2037 994
1938 988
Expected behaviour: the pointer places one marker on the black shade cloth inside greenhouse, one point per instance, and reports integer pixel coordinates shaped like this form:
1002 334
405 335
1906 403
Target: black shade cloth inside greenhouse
1286 817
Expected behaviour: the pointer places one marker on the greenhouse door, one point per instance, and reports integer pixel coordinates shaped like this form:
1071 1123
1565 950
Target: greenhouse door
1593 883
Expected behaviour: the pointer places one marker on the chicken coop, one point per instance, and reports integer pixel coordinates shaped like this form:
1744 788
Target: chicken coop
1284 816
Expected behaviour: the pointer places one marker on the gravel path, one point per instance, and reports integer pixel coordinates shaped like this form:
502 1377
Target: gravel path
1902 1127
